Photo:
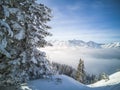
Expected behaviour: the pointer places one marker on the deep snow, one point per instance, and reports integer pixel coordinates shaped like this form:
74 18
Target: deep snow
62 82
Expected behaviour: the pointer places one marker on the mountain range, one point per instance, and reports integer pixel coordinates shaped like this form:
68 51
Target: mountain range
80 43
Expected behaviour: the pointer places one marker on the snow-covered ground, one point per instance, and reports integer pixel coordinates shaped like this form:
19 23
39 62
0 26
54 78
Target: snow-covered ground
62 82
113 79
59 82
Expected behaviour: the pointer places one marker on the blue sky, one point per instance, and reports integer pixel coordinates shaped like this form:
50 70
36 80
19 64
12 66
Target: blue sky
96 20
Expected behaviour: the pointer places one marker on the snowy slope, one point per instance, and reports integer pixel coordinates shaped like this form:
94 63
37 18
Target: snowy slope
62 82
65 83
113 79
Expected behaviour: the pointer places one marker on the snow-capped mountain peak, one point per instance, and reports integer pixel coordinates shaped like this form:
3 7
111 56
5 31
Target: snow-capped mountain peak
112 45
80 43
75 43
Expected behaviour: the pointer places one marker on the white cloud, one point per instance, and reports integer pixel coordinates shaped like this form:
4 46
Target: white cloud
96 60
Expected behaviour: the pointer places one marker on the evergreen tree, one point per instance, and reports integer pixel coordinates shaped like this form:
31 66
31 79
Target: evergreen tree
80 74
103 76
22 30
63 69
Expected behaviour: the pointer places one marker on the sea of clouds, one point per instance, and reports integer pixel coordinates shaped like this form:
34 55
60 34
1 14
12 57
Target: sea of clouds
96 60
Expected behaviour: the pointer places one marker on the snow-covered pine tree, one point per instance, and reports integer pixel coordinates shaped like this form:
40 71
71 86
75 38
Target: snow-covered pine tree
22 30
80 74
103 76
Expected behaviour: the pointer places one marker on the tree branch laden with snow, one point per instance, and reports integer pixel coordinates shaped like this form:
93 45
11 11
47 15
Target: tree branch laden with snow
22 30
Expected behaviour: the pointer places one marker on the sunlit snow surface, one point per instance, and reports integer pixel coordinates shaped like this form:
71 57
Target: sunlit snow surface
59 82
62 82
114 79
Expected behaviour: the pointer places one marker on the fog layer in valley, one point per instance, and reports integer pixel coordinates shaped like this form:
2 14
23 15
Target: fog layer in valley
96 60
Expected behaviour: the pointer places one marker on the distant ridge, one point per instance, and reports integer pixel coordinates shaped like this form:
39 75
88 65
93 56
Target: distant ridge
80 43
